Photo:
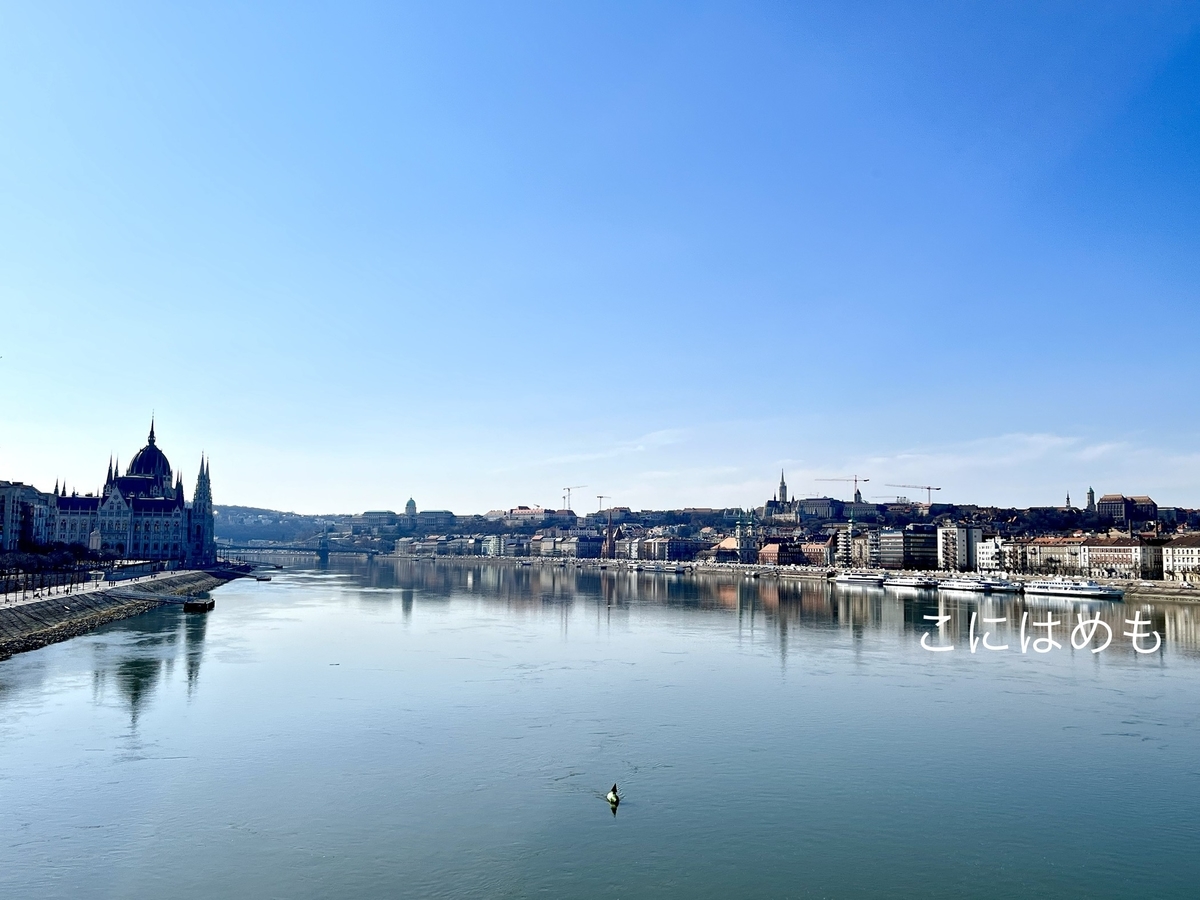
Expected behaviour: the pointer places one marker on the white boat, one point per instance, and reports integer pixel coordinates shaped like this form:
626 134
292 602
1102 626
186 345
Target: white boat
979 585
1061 587
910 581
1000 586
861 579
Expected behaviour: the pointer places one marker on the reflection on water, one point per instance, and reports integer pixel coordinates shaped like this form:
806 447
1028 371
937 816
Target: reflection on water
410 729
781 604
135 655
194 625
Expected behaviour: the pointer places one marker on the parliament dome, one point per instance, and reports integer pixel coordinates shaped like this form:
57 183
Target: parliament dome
150 461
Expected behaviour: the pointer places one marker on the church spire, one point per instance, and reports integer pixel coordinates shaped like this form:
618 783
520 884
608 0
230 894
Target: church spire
55 487
151 438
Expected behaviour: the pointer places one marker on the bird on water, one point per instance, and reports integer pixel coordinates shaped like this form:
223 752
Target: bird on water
612 796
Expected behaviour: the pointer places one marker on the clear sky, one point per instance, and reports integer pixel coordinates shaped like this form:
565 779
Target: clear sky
471 253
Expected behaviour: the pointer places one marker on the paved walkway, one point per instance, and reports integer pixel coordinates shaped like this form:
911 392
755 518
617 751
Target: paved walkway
24 598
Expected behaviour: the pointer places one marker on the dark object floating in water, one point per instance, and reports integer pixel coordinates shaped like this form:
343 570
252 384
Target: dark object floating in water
199 604
614 799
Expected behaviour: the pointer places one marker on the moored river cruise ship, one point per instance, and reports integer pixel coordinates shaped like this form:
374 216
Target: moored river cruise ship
919 582
861 579
1061 587
980 585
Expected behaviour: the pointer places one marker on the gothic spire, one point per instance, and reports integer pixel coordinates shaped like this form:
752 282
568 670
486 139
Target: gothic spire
151 438
55 487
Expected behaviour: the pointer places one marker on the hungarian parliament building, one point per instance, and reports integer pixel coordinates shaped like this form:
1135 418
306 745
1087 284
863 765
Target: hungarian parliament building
141 515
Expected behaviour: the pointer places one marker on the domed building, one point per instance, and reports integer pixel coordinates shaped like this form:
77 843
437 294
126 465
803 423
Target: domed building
142 514
148 474
150 462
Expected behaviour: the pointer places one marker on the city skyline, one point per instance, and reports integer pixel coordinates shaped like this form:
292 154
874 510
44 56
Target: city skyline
471 254
1008 460
840 487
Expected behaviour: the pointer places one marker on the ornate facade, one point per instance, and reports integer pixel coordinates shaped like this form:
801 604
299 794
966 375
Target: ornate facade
142 514
779 508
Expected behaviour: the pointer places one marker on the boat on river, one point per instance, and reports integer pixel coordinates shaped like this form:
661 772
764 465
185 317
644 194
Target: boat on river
979 585
1062 587
918 582
859 579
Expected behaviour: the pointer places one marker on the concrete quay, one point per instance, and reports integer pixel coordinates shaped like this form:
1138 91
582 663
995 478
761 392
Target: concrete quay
39 621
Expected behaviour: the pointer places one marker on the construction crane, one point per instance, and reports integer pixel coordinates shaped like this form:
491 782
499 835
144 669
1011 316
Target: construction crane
568 493
927 488
602 498
853 478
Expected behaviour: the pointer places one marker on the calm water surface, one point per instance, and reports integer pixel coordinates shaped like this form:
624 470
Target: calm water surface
412 730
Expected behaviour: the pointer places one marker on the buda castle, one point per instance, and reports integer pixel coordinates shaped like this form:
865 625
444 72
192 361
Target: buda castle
141 515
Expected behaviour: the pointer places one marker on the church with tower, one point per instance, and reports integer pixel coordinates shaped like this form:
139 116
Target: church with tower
779 507
142 514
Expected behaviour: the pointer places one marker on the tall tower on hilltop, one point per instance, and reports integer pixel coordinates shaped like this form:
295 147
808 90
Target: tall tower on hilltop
1091 507
782 488
203 531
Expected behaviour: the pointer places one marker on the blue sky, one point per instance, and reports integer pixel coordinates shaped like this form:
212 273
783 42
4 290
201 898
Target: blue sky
474 252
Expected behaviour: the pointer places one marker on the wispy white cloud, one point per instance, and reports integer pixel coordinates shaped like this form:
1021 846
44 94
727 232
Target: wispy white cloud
998 451
650 441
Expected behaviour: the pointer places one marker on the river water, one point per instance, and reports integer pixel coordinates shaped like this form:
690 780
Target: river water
422 730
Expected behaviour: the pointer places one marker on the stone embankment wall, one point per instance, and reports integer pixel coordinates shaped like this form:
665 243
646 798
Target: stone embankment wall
64 616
